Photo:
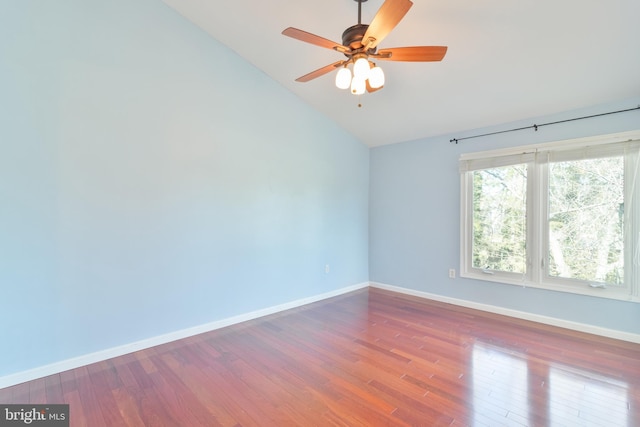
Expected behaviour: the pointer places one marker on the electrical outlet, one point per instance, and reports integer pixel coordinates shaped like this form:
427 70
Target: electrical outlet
326 269
452 273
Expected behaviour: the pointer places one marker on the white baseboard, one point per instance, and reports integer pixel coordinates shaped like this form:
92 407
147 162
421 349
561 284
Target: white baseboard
76 362
567 324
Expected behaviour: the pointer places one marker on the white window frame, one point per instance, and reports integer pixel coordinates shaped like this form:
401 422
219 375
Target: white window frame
535 156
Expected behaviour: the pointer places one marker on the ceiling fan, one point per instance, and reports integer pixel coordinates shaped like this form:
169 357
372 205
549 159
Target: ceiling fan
360 46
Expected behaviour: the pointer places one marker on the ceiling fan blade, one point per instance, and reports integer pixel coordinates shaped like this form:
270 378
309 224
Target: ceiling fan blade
320 72
388 16
412 53
313 39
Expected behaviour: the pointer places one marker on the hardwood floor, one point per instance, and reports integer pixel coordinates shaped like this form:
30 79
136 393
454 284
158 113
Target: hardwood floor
368 358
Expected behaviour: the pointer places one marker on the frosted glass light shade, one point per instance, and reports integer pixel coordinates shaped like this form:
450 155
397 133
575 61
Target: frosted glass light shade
358 86
376 77
361 69
343 78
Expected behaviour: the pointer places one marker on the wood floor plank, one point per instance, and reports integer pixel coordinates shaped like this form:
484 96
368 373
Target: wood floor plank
91 407
368 358
38 391
17 394
53 389
128 405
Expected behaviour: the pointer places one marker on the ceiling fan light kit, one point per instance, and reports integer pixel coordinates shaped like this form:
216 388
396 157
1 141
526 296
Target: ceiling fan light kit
376 77
359 44
343 78
358 86
361 68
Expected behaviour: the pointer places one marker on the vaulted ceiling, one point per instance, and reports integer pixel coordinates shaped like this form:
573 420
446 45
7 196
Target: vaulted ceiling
507 60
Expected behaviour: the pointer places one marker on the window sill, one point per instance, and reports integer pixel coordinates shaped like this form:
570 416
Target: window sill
582 289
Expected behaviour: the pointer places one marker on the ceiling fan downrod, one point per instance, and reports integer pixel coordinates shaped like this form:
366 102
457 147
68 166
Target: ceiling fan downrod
360 10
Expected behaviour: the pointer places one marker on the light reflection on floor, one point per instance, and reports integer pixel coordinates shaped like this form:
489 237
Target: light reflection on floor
594 399
513 389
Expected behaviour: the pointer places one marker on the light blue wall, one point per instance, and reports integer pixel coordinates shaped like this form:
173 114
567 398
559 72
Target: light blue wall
414 218
151 180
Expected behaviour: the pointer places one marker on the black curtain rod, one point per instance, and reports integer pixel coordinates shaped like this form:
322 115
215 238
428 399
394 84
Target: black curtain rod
456 140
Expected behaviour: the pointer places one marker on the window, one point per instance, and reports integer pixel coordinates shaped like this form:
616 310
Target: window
562 216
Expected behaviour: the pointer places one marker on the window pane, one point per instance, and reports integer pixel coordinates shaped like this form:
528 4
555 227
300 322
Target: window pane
586 213
499 218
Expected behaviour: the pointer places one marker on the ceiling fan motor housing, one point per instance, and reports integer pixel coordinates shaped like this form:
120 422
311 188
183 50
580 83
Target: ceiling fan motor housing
352 37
